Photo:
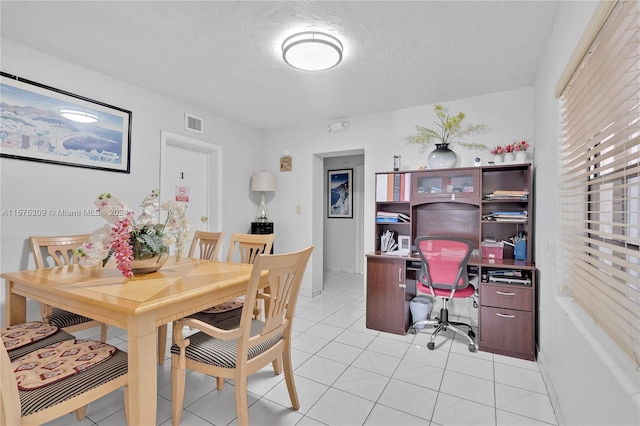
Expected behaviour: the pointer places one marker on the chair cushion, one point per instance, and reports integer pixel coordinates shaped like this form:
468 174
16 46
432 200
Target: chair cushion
465 292
59 361
36 400
222 353
65 319
59 336
16 336
224 307
226 320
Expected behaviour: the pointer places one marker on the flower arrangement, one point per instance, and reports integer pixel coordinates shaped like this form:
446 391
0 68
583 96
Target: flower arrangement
520 146
127 239
497 150
447 129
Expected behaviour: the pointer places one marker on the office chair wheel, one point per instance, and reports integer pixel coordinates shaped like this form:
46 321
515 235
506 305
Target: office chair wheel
413 330
472 348
431 345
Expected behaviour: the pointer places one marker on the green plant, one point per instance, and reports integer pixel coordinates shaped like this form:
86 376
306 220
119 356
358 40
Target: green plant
447 129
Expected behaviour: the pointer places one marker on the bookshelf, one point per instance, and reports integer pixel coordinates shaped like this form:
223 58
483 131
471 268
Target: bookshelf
488 205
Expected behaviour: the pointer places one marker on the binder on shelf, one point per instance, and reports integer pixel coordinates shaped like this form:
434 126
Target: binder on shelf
381 187
396 187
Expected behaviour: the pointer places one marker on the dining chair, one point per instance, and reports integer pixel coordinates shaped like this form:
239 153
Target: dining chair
37 399
208 245
248 246
60 250
235 353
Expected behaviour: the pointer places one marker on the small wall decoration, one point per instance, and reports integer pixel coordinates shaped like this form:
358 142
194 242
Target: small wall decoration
285 163
40 123
339 197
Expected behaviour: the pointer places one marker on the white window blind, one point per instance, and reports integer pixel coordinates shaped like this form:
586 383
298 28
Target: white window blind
600 166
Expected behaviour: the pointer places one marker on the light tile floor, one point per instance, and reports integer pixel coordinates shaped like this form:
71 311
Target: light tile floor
347 374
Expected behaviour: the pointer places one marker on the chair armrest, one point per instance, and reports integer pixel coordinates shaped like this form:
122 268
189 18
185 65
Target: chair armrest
205 328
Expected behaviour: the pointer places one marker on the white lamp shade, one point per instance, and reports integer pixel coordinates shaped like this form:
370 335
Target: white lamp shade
263 182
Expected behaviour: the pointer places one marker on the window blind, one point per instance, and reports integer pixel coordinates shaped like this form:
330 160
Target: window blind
600 168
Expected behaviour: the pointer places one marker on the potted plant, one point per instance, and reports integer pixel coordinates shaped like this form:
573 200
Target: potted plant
447 129
521 151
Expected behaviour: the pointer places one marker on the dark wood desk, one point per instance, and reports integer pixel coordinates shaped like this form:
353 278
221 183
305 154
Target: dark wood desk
506 318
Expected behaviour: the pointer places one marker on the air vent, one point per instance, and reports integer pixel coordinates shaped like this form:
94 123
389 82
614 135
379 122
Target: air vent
193 123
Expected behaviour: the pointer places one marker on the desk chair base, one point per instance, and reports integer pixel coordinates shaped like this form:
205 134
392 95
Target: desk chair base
443 323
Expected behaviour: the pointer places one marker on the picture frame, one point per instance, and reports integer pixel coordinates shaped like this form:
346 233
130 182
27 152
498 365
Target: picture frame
33 127
339 194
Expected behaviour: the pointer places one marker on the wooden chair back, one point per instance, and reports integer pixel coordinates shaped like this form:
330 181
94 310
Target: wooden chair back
9 397
208 244
58 249
249 246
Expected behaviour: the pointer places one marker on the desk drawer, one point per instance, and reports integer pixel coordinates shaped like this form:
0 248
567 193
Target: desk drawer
506 296
506 331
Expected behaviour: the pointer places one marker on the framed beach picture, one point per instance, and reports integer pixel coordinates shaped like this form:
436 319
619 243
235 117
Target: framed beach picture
339 197
40 123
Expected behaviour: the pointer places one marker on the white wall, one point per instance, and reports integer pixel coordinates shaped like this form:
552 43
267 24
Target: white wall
26 184
583 368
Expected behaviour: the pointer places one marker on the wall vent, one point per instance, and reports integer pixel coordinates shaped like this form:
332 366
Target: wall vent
193 123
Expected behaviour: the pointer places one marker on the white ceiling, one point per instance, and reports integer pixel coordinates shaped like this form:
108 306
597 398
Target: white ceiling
225 57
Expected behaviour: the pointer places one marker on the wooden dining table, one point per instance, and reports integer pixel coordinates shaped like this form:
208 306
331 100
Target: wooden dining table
138 305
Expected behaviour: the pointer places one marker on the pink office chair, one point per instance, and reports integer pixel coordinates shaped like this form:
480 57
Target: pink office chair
444 275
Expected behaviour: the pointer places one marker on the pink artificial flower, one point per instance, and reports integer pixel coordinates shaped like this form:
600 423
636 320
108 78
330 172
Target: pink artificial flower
122 249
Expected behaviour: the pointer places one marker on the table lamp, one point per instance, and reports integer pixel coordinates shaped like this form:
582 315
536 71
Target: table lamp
263 182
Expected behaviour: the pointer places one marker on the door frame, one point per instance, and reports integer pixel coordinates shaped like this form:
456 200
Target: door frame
214 166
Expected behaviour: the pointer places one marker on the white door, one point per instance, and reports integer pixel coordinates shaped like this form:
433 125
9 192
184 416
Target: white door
191 173
185 180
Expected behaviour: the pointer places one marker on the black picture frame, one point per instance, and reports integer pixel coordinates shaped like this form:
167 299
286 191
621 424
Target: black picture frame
339 194
33 128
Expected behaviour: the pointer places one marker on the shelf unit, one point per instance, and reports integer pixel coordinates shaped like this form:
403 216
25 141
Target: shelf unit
457 202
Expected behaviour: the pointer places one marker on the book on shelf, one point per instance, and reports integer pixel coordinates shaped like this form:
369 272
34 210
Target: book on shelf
507 216
508 195
383 216
393 187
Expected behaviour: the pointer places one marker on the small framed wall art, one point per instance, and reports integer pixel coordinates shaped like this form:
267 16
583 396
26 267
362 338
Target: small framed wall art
339 199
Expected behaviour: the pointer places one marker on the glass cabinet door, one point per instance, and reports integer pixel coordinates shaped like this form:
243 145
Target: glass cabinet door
449 185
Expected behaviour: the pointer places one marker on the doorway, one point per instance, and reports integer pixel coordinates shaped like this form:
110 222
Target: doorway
343 238
191 173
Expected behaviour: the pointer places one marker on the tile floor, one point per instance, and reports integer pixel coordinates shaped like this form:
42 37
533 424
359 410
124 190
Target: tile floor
348 375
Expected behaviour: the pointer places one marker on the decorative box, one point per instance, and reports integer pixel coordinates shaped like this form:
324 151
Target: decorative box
492 250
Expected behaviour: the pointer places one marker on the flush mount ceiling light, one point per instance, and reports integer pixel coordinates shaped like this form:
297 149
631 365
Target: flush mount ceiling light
79 116
312 51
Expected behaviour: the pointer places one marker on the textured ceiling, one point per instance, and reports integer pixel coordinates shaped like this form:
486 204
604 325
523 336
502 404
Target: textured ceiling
225 57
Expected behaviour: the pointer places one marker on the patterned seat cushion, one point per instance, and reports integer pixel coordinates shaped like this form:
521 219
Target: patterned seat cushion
58 361
222 353
19 335
224 307
35 400
64 319
226 320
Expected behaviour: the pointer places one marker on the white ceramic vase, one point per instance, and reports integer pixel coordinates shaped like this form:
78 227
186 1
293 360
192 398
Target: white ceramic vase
508 157
521 156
